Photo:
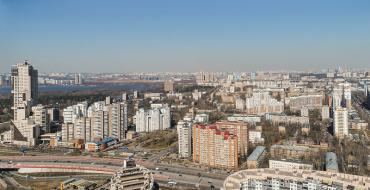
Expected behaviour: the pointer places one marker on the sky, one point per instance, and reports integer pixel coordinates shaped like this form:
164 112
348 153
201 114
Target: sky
184 35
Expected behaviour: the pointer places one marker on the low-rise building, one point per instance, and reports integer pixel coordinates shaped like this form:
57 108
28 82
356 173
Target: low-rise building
256 157
201 118
289 164
277 119
331 162
291 151
252 119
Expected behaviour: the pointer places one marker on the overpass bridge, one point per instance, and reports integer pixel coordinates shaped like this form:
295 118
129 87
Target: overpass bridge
37 167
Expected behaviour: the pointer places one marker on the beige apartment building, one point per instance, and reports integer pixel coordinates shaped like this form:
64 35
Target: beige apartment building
214 148
239 129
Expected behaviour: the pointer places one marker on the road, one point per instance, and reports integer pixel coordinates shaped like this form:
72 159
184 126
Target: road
187 176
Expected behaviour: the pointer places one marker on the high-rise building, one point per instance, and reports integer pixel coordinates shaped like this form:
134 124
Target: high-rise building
24 89
24 92
168 86
96 122
184 132
340 122
78 79
203 78
153 119
240 104
214 148
342 96
40 117
240 130
2 80
346 87
325 112
117 120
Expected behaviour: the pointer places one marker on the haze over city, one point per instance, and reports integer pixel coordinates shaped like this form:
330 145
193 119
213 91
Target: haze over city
163 35
185 95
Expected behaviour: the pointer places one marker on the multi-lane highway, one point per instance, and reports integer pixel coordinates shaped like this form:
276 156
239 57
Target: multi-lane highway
164 174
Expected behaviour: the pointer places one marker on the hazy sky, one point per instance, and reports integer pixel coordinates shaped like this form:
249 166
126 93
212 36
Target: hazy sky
184 35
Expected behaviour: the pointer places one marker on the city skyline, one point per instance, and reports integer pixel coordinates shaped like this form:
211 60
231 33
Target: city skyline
122 36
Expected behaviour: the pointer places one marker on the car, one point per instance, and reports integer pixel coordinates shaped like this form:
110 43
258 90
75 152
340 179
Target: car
157 169
172 182
10 162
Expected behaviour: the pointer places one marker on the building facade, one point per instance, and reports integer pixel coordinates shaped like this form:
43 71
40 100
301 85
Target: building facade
214 148
293 179
340 122
289 164
261 103
24 83
153 119
184 132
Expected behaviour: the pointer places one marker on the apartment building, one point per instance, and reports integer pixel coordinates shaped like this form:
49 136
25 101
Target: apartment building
277 119
214 148
184 132
293 179
96 122
325 112
206 79
24 89
72 112
340 122
251 119
261 103
342 95
240 130
153 119
255 136
310 101
168 86
291 151
24 79
40 116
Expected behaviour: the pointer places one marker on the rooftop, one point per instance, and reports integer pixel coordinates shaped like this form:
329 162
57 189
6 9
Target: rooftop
344 181
331 161
256 153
